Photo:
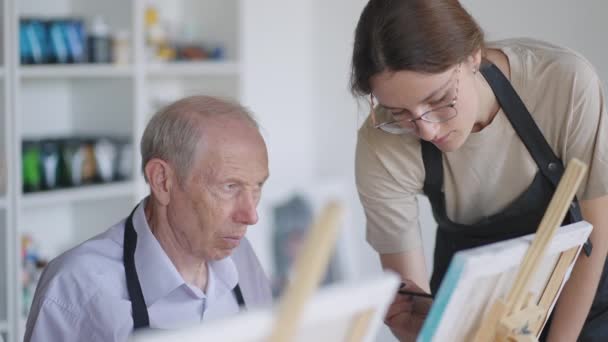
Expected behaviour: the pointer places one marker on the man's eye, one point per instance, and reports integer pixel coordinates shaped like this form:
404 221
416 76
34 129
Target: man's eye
230 187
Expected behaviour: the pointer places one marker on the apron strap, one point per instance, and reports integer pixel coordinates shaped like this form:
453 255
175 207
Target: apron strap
138 304
523 123
433 180
532 137
239 296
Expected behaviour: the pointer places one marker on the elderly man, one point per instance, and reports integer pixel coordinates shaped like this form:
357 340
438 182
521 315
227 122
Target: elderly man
181 256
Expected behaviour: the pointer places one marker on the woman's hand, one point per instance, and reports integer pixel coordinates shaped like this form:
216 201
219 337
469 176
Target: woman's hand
407 313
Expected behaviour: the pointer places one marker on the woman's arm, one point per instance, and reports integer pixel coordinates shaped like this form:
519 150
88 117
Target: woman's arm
578 293
406 314
409 265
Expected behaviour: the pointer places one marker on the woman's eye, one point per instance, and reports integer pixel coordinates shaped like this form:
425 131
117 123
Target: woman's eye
398 115
441 101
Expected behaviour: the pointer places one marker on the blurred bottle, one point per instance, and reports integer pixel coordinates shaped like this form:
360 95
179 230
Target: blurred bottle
100 42
72 157
34 45
106 158
49 160
157 40
124 165
32 178
75 37
121 48
89 163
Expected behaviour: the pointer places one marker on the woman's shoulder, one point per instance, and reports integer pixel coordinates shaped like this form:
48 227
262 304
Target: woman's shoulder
388 157
537 60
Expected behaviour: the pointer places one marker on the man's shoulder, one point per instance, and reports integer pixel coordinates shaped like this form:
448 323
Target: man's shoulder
82 272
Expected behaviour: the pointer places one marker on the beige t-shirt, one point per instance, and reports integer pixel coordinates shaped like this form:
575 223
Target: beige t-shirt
564 95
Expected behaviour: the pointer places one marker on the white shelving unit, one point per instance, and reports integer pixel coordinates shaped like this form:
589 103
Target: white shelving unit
78 194
193 69
47 101
7 254
75 71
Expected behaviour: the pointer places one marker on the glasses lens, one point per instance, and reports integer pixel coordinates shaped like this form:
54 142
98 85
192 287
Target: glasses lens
398 127
441 114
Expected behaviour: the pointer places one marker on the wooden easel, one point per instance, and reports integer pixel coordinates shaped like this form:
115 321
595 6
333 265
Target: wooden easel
309 268
517 318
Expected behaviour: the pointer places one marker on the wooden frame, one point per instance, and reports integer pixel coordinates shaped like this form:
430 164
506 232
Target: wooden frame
480 276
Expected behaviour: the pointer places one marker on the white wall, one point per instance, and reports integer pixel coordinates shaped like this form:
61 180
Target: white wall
580 25
277 54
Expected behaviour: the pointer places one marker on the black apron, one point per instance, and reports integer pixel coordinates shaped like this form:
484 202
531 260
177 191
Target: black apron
139 310
522 216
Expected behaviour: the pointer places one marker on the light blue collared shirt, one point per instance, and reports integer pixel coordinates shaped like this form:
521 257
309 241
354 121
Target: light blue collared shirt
82 294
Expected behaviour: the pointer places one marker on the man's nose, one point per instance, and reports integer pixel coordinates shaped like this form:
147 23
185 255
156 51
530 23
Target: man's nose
246 212
427 130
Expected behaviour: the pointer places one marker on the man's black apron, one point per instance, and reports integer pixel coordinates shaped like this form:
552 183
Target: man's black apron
139 310
522 216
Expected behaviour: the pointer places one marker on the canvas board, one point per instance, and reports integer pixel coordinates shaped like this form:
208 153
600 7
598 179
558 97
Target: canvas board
330 315
478 276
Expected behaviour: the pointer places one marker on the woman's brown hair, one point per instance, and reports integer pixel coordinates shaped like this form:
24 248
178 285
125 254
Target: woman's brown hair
417 35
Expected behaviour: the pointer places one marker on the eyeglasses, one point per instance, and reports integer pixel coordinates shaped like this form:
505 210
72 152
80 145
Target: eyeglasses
401 123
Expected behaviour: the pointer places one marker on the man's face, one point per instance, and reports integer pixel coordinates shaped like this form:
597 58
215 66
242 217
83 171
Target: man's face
213 206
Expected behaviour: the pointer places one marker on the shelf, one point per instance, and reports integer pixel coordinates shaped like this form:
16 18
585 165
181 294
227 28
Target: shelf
83 193
75 71
193 69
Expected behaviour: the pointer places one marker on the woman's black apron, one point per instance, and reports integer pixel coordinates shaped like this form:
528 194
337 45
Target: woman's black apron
522 216
139 310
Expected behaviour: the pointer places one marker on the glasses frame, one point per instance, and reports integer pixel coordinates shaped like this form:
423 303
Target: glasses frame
401 130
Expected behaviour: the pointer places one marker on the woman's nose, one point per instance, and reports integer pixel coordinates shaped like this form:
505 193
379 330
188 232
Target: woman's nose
426 130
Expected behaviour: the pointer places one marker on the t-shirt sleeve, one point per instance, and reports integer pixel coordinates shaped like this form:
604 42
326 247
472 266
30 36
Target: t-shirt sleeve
391 210
587 132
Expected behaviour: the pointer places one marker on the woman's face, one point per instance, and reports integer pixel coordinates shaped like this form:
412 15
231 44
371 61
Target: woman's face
408 95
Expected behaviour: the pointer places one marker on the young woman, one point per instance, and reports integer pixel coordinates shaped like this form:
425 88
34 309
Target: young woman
484 130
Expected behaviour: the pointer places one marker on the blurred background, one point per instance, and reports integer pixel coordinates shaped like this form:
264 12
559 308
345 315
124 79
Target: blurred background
80 78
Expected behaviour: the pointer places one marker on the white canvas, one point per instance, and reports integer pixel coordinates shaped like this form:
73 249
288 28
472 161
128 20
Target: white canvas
328 316
478 276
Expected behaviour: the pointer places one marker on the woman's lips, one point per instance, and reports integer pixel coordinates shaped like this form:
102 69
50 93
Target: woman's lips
441 140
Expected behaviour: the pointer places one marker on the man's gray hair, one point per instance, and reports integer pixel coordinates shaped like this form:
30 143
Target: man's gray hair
173 133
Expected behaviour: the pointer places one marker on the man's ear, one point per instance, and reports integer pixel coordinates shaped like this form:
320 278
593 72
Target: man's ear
160 177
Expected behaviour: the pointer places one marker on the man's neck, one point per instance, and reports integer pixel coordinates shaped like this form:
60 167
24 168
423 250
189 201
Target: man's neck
193 269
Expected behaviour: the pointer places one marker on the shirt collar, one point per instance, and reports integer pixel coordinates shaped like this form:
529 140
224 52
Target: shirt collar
223 277
158 276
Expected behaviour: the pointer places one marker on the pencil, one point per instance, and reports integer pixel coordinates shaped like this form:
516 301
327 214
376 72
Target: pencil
415 294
